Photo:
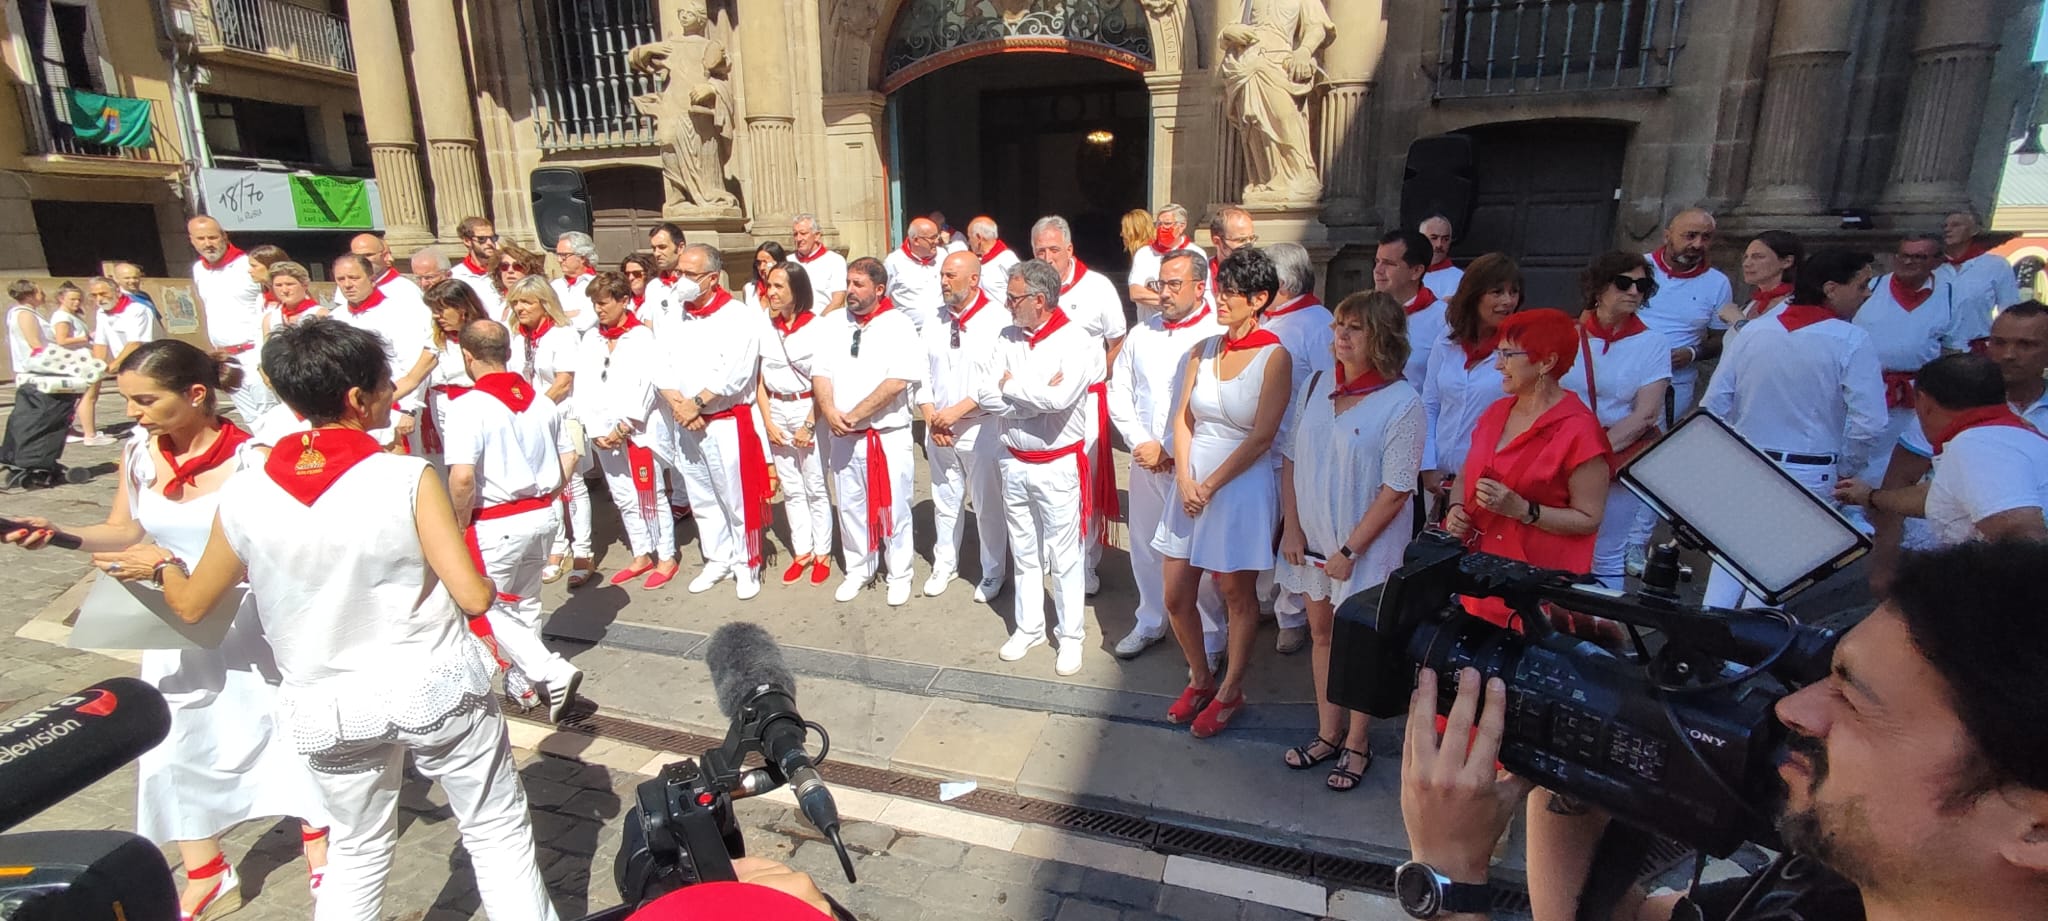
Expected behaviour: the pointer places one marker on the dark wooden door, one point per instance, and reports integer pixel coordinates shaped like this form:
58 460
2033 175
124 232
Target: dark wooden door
1545 194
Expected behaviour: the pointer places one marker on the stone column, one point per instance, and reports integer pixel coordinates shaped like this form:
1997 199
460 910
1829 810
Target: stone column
1353 56
444 95
854 174
387 119
1802 93
771 180
1944 104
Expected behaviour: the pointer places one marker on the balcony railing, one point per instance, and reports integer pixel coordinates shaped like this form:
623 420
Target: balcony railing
583 90
277 29
1525 47
46 131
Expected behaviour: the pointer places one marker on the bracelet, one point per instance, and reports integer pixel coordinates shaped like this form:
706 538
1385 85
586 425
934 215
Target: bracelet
1535 513
156 573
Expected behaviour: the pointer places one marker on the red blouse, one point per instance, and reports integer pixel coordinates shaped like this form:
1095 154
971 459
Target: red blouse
1538 466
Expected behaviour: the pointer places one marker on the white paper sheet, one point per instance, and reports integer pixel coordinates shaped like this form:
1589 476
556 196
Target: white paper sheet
133 615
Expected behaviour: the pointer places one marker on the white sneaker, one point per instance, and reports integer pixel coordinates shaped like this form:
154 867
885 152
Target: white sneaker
749 583
712 575
98 440
1094 584
1068 661
1019 644
560 698
936 585
1135 642
987 589
899 592
849 589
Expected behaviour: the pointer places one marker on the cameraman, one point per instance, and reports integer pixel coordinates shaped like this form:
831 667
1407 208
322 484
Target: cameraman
1918 772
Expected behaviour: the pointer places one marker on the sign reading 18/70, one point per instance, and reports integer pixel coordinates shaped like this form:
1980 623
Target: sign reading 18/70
265 201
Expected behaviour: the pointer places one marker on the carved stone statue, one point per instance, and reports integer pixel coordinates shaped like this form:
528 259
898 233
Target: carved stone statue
1269 68
693 115
1170 26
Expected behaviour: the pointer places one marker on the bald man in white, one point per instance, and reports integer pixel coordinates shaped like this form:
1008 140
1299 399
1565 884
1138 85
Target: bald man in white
914 273
232 303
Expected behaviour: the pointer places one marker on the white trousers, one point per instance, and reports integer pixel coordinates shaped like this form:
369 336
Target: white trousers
805 501
572 528
968 473
710 474
653 535
254 397
471 758
1092 547
1617 532
515 549
1723 589
1881 460
850 483
1148 492
1042 504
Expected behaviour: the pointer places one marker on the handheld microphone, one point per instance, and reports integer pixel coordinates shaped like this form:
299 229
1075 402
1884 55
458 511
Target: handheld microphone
57 538
756 691
66 745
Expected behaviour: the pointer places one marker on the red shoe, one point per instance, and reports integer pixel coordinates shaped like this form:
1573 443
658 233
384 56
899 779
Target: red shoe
659 579
795 572
821 570
1190 703
630 573
1216 716
226 895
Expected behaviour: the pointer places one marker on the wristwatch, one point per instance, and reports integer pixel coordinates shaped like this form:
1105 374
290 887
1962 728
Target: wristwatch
1425 893
1344 550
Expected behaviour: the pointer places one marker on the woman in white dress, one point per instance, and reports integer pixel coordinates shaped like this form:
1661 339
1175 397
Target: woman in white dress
1346 483
1222 513
222 763
291 298
453 305
1623 370
544 348
791 414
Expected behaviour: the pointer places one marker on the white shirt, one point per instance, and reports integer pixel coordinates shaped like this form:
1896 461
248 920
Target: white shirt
914 285
478 278
889 350
540 361
995 272
516 455
273 315
1984 285
787 360
1684 309
1814 390
1303 325
574 295
1620 368
1091 302
663 301
19 349
1043 406
1443 282
1906 339
615 386
827 271
275 424
954 364
719 352
232 301
1453 397
1914 438
1146 384
1145 262
1425 327
408 330
1982 471
116 331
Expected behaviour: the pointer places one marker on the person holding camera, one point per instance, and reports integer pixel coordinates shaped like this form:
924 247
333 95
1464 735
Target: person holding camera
1917 770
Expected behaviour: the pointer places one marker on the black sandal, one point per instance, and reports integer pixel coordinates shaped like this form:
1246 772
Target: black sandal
1298 758
1351 778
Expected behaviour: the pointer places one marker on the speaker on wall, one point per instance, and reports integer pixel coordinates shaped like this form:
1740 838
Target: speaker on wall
1438 180
561 203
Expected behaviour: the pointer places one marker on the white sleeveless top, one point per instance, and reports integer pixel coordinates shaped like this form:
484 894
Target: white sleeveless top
366 637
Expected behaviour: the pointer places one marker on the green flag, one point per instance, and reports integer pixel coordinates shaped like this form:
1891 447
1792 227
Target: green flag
331 202
117 121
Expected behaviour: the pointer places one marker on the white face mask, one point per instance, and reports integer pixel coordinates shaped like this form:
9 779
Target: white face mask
687 289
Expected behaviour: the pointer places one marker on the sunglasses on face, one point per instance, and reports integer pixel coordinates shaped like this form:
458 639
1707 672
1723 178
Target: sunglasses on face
636 274
493 238
1626 283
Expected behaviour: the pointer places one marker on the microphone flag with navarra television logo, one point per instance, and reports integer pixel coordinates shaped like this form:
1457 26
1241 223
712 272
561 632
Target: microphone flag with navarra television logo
116 121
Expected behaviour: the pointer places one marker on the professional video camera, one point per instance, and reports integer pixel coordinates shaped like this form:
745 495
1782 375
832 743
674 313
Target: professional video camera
1682 742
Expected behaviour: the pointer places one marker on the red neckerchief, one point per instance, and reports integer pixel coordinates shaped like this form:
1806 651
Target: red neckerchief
761 291
1799 316
1420 302
1439 266
119 305
1367 382
669 277
1255 339
980 300
640 300
718 299
1177 245
587 272
469 262
813 257
1300 303
1909 299
1630 325
292 312
376 297
1051 324
994 249
2000 415
231 254
790 327
1187 321
926 261
1476 352
387 277
532 336
220 452
1975 250
305 465
1080 269
882 305
512 390
627 322
1761 297
1665 267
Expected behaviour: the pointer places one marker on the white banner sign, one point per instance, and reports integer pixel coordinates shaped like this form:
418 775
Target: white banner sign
254 200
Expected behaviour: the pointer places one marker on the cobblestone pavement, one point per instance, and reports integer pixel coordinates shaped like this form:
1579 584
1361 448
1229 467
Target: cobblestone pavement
576 805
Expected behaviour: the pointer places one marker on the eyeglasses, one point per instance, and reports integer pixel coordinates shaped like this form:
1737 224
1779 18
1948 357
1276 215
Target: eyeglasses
1505 354
1915 257
633 274
1013 299
1159 285
481 238
1241 241
1626 283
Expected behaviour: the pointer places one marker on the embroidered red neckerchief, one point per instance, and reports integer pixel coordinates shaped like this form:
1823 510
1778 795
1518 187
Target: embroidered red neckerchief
1258 338
1761 298
788 328
1975 250
120 305
1420 302
1367 382
1799 316
926 261
1629 326
376 297
512 390
626 323
307 464
882 305
293 311
994 249
1978 417
1187 321
1051 325
231 254
718 299
532 336
1910 299
220 452
980 300
1080 269
1162 246
1664 266
1439 266
386 278
813 257
1303 302
470 263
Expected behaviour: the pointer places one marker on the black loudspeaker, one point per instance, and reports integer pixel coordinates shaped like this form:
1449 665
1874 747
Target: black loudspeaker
561 203
1439 179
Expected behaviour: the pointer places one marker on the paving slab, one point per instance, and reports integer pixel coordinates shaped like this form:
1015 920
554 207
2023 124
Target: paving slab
957 739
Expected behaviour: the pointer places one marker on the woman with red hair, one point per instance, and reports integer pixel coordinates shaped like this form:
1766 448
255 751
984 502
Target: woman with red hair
1535 478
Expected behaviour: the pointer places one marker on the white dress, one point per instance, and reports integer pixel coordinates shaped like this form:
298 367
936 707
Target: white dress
223 762
1340 463
1235 532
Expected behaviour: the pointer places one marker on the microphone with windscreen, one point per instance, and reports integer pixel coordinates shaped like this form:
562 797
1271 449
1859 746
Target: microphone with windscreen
68 744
